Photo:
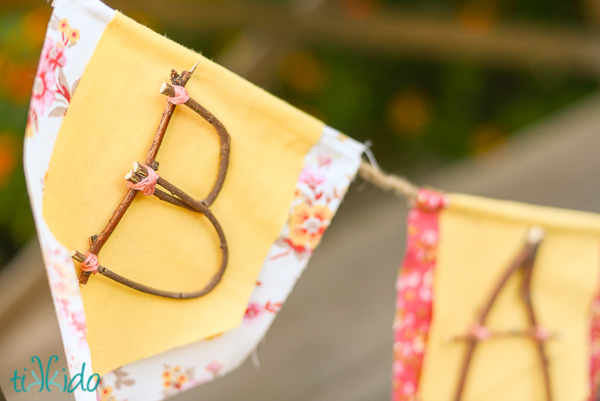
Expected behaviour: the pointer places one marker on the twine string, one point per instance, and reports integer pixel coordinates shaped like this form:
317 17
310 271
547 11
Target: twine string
388 182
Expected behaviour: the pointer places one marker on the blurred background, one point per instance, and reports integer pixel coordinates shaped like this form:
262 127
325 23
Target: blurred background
427 81
492 97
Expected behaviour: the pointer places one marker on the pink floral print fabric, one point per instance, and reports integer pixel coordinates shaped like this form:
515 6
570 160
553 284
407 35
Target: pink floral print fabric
415 298
51 84
595 349
73 32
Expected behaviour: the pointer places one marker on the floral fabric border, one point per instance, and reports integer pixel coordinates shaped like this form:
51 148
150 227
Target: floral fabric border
414 303
73 33
595 349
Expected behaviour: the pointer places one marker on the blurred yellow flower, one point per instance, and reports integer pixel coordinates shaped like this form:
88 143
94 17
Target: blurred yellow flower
308 224
304 72
73 36
479 16
105 394
64 26
409 112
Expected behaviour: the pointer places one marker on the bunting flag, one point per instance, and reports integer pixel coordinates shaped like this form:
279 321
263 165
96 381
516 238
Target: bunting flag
95 109
497 300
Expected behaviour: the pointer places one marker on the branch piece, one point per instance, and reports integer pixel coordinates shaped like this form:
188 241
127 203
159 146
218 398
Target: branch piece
167 89
535 235
181 199
555 335
525 262
130 196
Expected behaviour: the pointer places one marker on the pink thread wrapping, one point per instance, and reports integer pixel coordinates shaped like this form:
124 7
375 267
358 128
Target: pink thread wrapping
480 332
91 264
181 95
542 333
148 184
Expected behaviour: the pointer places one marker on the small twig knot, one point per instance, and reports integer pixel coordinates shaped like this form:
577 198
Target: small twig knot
480 332
148 184
541 333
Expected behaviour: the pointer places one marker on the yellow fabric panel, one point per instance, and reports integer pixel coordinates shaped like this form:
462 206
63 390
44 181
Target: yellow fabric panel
110 124
478 240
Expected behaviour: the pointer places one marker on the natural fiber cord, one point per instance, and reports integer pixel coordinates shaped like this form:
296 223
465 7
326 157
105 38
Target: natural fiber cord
400 186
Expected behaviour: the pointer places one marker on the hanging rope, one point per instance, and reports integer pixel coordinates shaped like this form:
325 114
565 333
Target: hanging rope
388 182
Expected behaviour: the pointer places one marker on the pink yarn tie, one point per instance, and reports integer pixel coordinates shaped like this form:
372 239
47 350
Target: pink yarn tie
148 184
181 95
542 333
481 333
91 264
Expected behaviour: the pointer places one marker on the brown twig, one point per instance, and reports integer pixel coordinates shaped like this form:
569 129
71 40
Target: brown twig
135 177
224 138
78 256
524 260
177 197
533 322
180 80
506 333
117 215
183 200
